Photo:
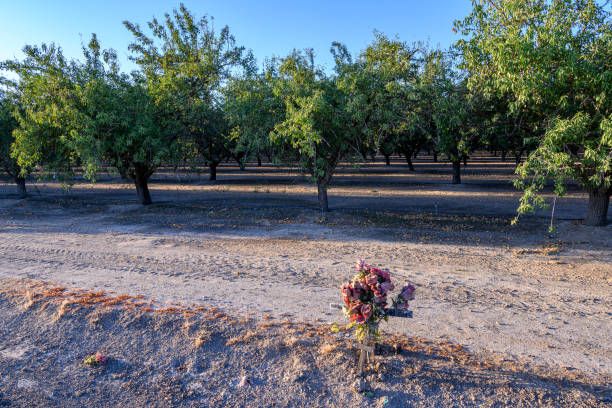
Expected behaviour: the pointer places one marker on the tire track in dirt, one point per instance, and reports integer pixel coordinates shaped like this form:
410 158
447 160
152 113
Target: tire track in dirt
299 278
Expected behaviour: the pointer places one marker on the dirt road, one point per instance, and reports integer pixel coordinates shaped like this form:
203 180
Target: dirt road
522 293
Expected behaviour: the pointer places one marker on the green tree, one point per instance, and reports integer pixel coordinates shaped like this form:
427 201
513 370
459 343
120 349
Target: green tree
87 113
451 108
253 111
186 63
378 86
318 120
45 91
554 57
8 123
115 122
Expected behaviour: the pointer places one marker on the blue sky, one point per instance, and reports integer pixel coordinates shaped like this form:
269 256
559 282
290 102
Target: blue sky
268 27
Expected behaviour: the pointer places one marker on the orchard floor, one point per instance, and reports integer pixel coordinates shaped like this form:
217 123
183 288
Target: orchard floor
254 245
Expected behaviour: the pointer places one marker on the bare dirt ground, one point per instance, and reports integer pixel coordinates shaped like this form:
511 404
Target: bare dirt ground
254 244
181 357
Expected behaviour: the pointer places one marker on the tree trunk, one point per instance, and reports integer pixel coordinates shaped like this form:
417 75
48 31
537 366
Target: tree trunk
387 160
503 155
322 195
518 157
597 208
142 189
213 172
457 172
435 156
465 161
409 161
258 161
21 187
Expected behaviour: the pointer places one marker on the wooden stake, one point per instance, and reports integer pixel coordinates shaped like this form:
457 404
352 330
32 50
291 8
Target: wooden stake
367 352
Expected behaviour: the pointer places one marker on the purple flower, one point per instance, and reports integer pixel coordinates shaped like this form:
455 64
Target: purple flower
408 291
387 286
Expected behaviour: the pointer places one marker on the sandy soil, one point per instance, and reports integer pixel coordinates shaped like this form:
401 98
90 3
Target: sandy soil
253 244
202 357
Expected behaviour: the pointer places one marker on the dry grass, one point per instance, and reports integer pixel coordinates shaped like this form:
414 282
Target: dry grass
291 341
246 338
327 348
202 337
543 249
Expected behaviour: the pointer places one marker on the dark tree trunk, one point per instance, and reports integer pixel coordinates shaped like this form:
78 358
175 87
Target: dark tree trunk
597 208
322 195
435 156
503 155
457 172
142 189
409 161
21 187
465 161
416 153
518 157
387 159
213 172
258 161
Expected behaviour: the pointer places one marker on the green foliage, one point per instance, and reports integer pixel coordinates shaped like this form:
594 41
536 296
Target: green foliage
8 123
115 121
319 121
253 110
554 58
86 113
186 63
46 93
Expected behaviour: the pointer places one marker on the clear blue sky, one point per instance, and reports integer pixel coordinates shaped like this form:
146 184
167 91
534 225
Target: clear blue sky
268 27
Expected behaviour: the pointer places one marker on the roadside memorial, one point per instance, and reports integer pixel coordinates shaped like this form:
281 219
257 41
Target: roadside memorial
365 304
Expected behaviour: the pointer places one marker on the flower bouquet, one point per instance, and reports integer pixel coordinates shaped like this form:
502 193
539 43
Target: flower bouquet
365 299
96 360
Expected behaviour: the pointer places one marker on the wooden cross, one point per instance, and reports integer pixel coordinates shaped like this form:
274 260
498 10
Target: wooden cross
367 353
366 346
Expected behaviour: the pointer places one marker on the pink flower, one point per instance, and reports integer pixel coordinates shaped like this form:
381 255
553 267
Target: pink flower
101 358
346 290
366 311
381 300
355 307
371 279
385 275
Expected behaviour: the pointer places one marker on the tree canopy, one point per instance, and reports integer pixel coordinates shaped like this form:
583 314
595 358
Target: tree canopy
554 57
531 78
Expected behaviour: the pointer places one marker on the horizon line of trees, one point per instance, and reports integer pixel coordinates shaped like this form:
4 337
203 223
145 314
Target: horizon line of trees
529 78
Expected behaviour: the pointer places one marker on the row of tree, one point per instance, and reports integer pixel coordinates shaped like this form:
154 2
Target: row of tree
527 77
